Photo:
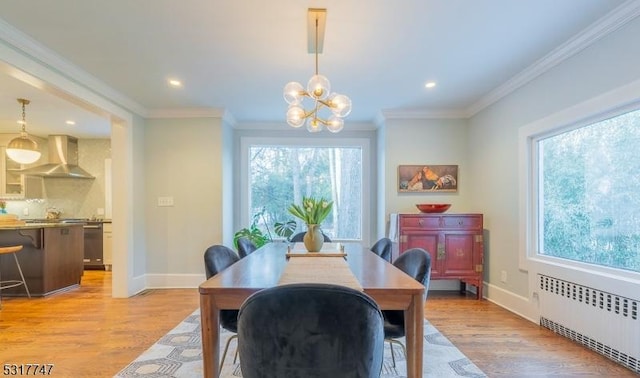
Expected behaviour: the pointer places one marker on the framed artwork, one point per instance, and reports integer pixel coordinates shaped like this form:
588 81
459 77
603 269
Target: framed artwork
427 178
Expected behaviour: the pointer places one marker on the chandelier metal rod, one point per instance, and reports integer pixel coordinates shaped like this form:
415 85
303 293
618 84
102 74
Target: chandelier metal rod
24 122
316 47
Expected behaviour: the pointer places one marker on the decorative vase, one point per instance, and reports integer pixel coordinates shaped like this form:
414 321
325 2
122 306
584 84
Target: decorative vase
3 211
313 239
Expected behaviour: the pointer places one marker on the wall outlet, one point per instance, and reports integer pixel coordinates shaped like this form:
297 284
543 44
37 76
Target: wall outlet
25 211
503 276
165 201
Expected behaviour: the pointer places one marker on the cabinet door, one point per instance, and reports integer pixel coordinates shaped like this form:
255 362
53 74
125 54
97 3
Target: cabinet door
63 248
12 181
459 255
427 241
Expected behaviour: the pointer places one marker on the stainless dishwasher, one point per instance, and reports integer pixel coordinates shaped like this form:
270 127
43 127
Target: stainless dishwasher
93 258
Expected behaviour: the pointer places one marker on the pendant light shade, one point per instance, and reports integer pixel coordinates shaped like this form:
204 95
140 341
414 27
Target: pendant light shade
23 149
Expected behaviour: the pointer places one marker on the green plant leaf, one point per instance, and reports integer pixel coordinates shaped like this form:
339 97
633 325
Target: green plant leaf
286 229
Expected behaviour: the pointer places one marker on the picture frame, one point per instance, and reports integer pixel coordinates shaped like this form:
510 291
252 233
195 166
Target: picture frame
427 178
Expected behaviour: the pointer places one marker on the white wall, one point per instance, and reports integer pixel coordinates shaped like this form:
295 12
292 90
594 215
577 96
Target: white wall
139 212
183 160
418 142
437 142
381 215
227 177
609 63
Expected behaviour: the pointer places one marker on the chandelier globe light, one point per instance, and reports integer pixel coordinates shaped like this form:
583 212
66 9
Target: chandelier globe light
318 90
23 149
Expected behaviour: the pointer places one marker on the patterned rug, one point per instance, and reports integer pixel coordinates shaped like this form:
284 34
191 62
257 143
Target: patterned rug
179 354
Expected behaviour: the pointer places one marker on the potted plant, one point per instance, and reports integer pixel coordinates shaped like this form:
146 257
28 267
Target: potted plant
260 238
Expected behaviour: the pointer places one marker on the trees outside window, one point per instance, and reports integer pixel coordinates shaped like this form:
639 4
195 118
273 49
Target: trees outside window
281 175
589 193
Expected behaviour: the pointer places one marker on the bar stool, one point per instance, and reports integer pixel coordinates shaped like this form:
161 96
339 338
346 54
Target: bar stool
14 249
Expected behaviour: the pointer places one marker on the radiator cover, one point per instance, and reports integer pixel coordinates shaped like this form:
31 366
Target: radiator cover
604 322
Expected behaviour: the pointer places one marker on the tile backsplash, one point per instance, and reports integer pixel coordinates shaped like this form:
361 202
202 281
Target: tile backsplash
75 198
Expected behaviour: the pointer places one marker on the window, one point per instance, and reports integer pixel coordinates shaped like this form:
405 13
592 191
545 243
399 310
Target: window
280 173
588 193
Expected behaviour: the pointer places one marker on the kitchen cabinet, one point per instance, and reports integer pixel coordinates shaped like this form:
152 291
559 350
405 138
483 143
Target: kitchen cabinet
107 245
51 258
12 181
13 184
454 241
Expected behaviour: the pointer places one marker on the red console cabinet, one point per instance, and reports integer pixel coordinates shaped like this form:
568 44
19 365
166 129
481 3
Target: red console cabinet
454 242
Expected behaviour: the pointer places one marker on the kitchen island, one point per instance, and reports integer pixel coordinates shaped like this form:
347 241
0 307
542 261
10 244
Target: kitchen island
51 257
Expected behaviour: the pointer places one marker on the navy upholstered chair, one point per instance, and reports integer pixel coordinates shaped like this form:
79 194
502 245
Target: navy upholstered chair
245 247
298 238
382 248
310 331
416 262
216 259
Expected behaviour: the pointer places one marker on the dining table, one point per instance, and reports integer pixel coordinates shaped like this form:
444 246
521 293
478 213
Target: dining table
389 287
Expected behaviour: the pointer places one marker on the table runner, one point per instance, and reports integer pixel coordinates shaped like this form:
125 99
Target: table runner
329 270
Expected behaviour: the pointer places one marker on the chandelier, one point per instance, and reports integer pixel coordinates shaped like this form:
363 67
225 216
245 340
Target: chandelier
318 91
23 149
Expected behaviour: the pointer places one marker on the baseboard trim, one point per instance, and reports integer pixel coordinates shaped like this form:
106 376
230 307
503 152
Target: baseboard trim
517 304
138 284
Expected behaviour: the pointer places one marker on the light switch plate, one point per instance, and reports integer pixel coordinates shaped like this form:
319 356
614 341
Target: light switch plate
165 201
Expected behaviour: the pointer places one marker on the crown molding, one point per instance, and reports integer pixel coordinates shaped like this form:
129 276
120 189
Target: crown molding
608 24
38 53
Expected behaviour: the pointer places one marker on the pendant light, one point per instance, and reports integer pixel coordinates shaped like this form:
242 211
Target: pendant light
23 149
318 90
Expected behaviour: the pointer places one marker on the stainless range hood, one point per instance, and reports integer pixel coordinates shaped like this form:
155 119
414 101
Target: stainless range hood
63 160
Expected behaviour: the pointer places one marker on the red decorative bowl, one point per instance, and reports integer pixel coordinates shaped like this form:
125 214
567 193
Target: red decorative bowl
433 207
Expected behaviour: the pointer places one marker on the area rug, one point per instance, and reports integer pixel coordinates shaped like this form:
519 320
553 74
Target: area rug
179 354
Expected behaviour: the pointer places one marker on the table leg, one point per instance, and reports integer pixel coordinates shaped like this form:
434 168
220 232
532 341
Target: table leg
414 329
210 326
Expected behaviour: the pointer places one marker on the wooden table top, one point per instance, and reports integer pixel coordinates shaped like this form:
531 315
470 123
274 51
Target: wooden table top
264 267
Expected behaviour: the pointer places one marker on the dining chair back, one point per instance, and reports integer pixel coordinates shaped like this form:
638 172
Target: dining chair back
299 237
216 259
416 262
310 330
382 248
245 247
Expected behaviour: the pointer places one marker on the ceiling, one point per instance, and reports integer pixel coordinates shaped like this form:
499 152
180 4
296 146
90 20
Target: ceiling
237 56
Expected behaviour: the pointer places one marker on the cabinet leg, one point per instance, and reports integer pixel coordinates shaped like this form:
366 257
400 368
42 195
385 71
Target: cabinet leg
463 287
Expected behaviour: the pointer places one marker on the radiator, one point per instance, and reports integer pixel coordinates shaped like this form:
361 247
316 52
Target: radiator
604 322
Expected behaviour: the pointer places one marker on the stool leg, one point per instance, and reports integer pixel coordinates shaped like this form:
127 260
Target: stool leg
24 282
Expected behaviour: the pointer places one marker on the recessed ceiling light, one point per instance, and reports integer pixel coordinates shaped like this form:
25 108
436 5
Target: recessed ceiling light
70 122
430 84
175 83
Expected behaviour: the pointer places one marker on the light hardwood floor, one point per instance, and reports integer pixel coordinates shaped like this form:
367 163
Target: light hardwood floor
86 333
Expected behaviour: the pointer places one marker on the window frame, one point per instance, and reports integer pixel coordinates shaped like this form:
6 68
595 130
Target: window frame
608 105
247 141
